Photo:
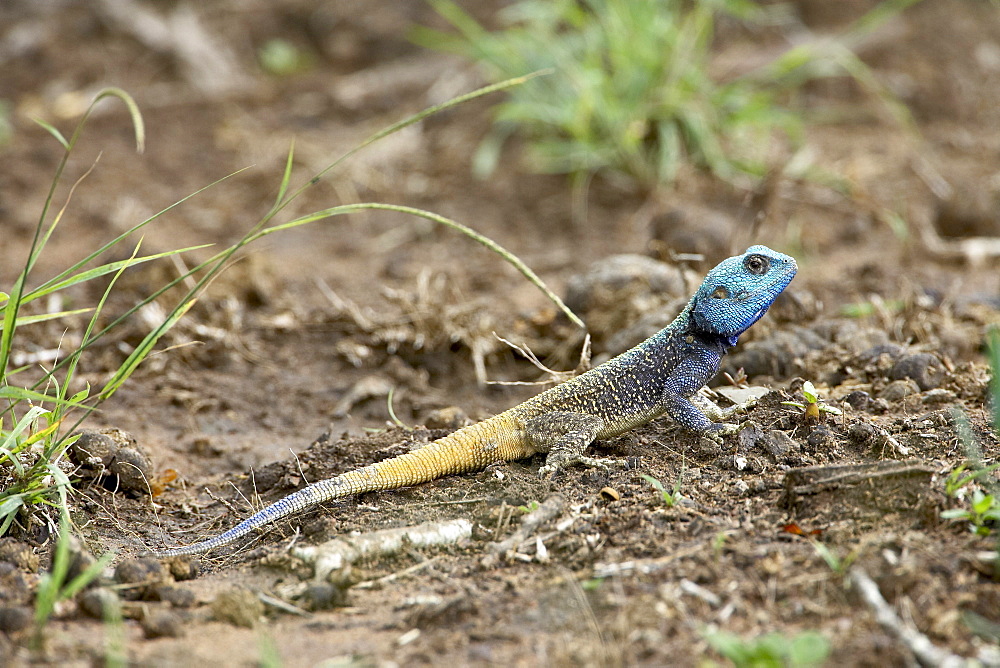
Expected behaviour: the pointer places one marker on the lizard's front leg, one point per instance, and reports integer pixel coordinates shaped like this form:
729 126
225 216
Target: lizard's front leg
682 403
565 437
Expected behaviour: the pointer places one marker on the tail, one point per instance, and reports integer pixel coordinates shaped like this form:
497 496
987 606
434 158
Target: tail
468 449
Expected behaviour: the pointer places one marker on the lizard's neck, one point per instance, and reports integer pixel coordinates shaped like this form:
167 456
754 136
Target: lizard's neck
685 325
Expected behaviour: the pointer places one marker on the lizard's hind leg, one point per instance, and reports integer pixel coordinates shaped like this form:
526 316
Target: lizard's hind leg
565 437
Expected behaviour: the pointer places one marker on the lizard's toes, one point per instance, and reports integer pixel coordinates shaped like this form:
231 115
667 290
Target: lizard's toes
547 471
590 462
718 431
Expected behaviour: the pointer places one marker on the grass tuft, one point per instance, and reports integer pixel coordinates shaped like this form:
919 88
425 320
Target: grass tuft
633 93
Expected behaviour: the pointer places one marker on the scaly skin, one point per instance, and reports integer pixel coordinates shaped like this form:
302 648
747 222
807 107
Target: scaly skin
659 376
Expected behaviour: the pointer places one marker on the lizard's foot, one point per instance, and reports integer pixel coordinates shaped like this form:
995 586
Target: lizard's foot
719 430
713 412
605 464
738 408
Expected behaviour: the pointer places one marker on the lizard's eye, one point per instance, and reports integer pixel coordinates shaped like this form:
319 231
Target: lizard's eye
720 292
757 264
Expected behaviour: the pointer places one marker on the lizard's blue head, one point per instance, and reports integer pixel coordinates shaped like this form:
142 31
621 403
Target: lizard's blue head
739 290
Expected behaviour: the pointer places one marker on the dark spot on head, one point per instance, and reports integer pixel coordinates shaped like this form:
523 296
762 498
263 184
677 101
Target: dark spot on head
721 292
757 264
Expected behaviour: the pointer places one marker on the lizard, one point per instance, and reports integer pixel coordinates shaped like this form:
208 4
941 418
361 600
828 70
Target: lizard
659 376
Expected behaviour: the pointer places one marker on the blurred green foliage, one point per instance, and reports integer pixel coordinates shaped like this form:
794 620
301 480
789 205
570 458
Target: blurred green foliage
631 90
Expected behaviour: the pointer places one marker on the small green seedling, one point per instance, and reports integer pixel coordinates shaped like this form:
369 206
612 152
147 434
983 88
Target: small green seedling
814 405
956 481
837 564
529 507
983 510
809 648
671 497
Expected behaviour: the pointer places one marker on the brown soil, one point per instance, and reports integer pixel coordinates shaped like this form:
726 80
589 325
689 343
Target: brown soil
286 384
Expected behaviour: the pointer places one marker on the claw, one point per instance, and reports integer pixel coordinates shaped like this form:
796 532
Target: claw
719 430
591 462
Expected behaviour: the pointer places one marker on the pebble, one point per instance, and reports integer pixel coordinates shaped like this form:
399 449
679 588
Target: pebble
14 619
238 606
113 451
162 623
451 417
858 400
924 368
143 571
183 568
898 390
14 588
178 597
20 554
778 444
324 596
98 602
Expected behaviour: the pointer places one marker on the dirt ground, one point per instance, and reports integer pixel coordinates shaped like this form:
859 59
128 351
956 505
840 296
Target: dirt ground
281 374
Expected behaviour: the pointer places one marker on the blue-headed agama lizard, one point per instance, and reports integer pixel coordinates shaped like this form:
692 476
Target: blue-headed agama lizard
659 376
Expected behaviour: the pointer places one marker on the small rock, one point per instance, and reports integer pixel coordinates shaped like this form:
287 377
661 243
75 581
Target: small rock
819 437
451 417
692 229
98 602
14 619
178 597
112 451
14 588
778 444
617 274
79 562
706 449
20 554
939 396
144 572
878 406
134 470
898 390
324 596
742 395
862 433
238 606
924 368
162 623
881 352
183 568
96 449
858 400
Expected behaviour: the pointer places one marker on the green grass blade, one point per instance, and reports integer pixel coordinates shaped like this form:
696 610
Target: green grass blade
43 317
51 129
406 122
141 351
110 268
18 394
77 354
286 177
512 259
133 111
10 445
37 243
8 511
121 237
